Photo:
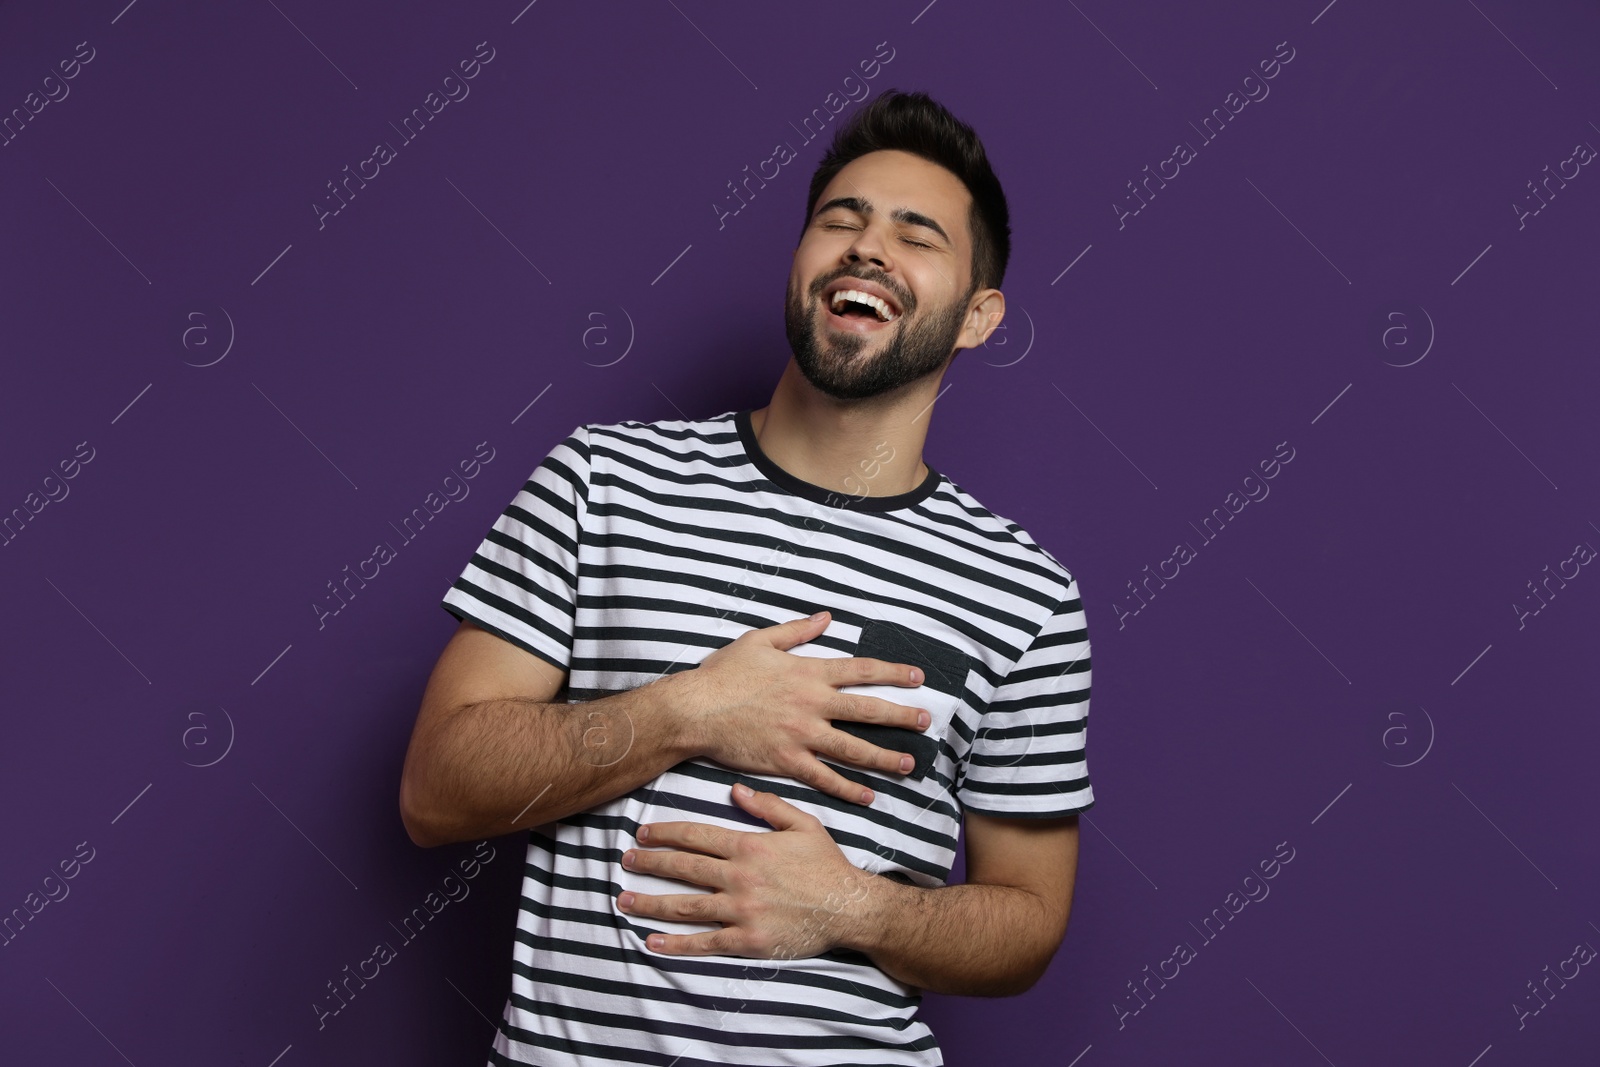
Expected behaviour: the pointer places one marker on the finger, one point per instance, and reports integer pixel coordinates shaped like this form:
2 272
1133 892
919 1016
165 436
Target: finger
858 708
723 942
687 907
848 748
679 866
824 779
786 635
702 837
781 814
865 670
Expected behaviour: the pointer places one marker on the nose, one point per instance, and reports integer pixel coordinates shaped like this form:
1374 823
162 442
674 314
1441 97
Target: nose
868 245
857 256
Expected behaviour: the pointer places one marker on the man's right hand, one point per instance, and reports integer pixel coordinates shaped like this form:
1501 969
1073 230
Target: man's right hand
756 707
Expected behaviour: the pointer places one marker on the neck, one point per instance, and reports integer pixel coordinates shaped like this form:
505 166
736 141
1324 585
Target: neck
858 447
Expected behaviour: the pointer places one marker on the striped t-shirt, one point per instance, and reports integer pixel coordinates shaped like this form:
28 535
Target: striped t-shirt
635 550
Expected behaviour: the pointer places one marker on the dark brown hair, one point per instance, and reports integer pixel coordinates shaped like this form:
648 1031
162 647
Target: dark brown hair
915 123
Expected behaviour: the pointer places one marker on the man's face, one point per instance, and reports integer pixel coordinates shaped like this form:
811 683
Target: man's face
893 226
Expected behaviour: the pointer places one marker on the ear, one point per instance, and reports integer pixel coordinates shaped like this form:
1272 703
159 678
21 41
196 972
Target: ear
985 312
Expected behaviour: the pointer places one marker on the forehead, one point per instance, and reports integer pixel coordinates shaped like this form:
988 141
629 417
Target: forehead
891 180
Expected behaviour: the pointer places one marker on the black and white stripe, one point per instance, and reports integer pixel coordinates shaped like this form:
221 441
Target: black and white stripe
635 550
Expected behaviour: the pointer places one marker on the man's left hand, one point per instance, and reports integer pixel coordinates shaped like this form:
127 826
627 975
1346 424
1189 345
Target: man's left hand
789 893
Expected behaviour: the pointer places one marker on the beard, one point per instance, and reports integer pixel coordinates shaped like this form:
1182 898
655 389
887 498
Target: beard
852 366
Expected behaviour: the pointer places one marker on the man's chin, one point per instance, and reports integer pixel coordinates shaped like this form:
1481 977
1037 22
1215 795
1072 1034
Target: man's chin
839 386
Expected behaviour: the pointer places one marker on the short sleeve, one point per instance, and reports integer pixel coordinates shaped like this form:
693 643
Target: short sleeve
1027 760
522 582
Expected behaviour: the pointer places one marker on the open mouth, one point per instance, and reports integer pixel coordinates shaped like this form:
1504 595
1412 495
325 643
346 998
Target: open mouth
857 310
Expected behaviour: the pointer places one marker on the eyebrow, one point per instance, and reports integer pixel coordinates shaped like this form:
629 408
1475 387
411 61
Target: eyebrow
903 215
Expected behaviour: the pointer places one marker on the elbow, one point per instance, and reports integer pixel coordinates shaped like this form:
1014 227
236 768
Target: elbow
1030 965
1035 955
1018 981
430 820
423 831
430 824
420 835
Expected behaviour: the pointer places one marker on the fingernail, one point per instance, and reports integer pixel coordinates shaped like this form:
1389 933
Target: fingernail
742 790
625 900
655 941
916 676
866 796
817 616
643 834
923 719
906 763
627 858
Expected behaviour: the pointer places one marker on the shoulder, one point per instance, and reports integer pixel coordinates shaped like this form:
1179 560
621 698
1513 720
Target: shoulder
954 507
663 448
653 441
659 430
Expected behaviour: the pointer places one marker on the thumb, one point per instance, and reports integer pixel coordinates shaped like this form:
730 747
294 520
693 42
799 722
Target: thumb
769 806
786 635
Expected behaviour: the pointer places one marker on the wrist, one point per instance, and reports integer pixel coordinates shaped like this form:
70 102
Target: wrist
678 715
868 918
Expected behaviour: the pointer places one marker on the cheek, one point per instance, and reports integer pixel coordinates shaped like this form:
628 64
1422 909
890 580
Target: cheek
814 255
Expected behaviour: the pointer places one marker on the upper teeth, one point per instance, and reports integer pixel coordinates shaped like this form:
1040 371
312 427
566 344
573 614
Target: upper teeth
885 314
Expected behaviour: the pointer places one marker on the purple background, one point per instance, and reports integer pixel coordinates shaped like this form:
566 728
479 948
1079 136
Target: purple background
1341 669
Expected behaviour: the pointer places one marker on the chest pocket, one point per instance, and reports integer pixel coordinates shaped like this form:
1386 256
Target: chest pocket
944 673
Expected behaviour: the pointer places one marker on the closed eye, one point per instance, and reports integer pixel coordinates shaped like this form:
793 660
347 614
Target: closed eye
842 226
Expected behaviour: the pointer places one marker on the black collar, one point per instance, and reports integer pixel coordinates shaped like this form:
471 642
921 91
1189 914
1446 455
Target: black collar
831 497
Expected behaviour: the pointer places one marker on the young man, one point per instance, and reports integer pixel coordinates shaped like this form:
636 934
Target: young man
666 575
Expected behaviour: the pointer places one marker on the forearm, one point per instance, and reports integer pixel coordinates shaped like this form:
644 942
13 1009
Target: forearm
498 766
963 940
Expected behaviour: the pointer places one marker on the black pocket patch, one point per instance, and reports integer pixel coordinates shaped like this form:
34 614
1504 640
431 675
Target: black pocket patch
944 670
